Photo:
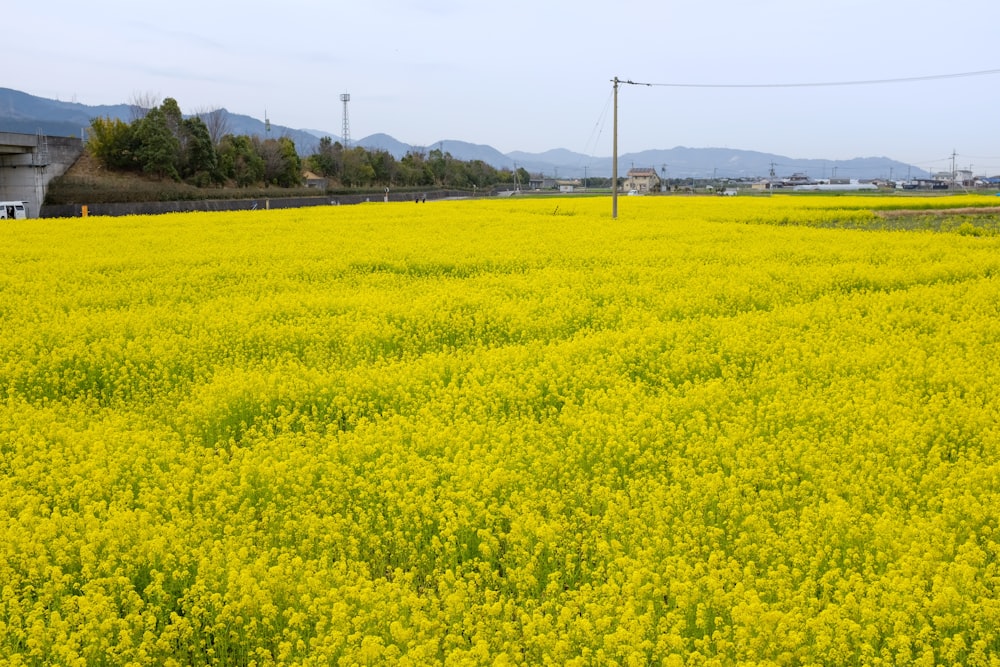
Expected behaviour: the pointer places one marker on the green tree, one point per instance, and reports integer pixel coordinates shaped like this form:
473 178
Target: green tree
162 142
113 143
173 117
200 163
291 173
480 174
240 161
437 161
357 171
158 148
327 159
282 166
415 170
383 167
523 177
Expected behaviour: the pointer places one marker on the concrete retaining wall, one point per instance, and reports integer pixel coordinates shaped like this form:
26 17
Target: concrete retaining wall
153 208
28 162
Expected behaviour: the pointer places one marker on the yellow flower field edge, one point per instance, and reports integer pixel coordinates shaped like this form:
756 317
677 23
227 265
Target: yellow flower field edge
709 432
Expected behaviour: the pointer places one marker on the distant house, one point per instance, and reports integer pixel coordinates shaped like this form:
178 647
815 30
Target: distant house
798 178
964 176
540 182
314 181
926 184
642 179
958 177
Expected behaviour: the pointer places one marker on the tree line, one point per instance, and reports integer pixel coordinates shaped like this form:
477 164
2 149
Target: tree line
199 150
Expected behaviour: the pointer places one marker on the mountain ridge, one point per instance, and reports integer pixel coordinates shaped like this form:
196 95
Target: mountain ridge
26 113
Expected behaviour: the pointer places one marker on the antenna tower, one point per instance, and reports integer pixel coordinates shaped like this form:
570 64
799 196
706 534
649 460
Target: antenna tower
345 133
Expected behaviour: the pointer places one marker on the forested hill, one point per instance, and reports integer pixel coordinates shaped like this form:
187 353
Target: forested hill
21 112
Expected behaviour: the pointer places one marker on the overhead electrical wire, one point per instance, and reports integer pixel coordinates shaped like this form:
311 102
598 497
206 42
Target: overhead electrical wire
819 84
812 84
598 130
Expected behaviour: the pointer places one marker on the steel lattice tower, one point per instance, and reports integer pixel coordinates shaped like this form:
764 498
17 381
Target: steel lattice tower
345 133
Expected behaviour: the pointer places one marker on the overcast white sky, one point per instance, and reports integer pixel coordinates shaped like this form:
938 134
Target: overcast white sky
531 76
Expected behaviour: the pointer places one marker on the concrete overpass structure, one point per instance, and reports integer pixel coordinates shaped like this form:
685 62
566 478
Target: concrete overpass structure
28 162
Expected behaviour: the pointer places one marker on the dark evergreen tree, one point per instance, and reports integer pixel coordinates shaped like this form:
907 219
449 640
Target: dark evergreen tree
291 173
240 161
200 163
327 159
158 148
383 167
357 172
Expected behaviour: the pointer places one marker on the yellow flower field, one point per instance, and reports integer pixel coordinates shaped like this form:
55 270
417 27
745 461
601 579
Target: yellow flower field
713 431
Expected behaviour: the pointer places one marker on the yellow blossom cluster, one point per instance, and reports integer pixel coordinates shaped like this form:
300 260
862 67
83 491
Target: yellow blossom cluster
712 431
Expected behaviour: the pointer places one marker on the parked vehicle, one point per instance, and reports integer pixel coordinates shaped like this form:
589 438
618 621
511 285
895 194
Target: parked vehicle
13 210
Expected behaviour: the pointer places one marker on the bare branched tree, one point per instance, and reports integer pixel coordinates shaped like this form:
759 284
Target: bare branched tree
217 122
141 103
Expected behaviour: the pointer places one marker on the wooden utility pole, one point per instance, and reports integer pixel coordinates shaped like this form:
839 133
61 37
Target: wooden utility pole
614 148
614 158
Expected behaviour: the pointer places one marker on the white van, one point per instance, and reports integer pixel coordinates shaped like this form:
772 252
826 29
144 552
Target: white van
12 210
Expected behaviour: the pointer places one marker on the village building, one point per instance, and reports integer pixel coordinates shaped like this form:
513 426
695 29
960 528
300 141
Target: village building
312 180
540 182
642 180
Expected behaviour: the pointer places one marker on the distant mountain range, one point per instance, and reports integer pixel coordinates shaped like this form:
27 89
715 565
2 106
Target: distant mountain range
21 112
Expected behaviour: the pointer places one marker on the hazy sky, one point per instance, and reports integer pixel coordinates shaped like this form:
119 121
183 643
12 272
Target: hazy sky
534 75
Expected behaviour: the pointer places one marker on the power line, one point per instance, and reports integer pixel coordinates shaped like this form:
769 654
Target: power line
815 84
595 134
820 84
